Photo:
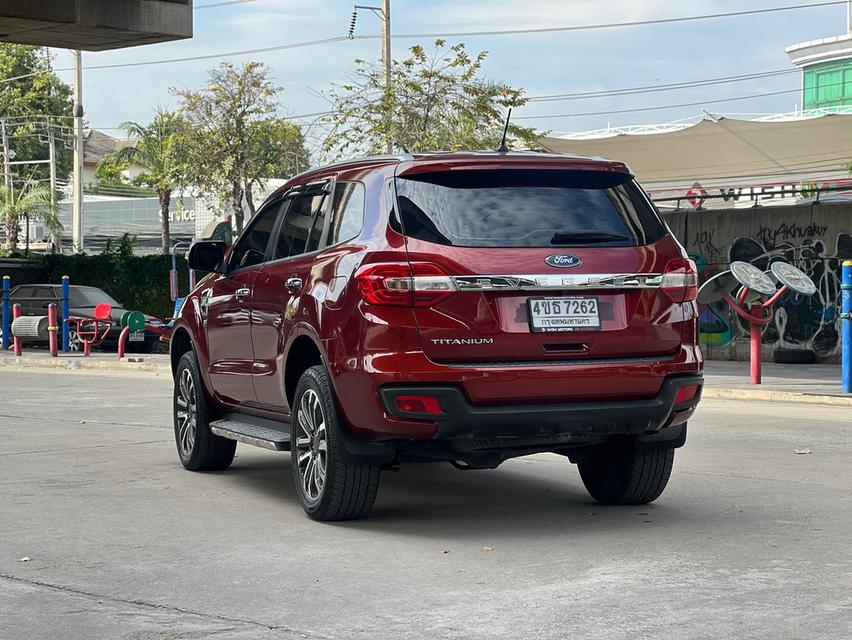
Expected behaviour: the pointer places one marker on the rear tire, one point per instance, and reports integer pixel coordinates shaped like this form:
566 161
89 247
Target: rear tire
328 485
198 447
619 473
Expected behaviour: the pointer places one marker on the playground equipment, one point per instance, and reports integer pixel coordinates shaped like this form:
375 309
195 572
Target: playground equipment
757 294
132 321
93 331
846 320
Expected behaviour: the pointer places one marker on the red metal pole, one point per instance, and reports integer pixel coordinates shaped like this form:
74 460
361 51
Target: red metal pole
16 343
122 338
52 328
756 343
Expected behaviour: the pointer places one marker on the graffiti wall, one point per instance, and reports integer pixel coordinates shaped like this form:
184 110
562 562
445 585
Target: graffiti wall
815 238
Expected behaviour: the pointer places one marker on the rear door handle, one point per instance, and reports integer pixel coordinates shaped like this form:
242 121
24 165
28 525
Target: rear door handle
293 282
242 293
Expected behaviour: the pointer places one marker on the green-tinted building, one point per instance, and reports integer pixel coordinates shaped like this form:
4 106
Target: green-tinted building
826 72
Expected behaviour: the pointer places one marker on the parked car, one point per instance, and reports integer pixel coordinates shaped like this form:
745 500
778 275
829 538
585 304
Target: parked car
34 299
460 307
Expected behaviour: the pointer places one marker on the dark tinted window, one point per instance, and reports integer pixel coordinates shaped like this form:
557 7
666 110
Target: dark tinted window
517 208
302 227
90 297
251 247
348 212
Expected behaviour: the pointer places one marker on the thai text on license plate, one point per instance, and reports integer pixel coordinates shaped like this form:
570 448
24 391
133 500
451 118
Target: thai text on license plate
563 314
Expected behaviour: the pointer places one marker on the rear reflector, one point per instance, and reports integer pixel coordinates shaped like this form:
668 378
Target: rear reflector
685 394
418 404
418 284
680 280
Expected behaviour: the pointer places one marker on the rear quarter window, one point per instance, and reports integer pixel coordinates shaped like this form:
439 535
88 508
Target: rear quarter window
526 208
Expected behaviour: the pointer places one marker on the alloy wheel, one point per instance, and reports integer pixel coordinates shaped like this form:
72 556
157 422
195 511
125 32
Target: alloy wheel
311 445
187 412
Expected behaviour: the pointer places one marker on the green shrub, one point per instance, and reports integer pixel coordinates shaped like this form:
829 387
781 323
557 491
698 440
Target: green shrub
140 283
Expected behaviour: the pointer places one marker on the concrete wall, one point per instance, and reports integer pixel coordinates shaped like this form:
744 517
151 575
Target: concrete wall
815 238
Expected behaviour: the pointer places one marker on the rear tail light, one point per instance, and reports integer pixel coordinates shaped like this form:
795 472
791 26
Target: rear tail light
418 404
419 284
685 394
680 280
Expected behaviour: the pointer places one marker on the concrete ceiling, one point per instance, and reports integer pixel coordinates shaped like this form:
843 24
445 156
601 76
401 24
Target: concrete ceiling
94 25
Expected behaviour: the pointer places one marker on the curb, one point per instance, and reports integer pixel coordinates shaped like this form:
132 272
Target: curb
86 365
775 396
164 368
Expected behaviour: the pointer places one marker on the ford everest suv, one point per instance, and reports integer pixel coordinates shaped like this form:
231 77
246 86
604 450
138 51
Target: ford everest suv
459 307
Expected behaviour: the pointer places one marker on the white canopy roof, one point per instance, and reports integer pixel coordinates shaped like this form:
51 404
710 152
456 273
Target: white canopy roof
725 149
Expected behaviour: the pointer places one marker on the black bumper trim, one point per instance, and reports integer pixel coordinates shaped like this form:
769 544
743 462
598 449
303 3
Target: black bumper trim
594 419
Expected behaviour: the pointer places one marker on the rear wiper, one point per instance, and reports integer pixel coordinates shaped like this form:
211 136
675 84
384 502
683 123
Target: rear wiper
569 237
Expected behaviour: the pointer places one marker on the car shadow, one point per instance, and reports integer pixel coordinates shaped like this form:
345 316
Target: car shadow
535 498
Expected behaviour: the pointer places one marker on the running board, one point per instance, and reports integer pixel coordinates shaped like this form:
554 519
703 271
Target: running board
255 431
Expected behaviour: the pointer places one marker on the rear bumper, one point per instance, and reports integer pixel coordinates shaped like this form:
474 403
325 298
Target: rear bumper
561 422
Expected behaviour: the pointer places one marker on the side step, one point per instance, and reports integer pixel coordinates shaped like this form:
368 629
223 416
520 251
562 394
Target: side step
252 430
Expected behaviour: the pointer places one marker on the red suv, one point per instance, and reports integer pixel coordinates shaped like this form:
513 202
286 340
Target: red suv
459 307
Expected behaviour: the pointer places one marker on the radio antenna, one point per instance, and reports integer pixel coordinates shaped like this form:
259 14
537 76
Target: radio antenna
503 148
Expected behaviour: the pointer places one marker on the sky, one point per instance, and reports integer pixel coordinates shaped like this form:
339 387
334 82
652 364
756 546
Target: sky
541 64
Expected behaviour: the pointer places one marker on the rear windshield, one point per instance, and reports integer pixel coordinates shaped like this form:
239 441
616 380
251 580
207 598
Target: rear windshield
526 208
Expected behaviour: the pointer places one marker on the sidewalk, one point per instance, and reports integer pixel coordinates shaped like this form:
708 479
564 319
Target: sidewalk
814 384
157 363
810 383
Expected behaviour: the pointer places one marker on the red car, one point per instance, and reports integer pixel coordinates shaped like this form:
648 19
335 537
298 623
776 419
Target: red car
459 307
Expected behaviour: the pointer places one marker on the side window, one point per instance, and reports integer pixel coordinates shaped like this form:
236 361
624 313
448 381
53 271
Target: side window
302 226
348 213
251 247
21 293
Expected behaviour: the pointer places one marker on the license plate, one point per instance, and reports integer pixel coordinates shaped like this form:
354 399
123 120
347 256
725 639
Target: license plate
136 336
563 314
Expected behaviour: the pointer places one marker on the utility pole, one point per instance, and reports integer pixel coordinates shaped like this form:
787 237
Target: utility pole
386 59
7 169
77 241
51 147
849 17
385 16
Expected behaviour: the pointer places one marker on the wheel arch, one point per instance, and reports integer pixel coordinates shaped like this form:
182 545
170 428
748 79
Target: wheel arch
304 352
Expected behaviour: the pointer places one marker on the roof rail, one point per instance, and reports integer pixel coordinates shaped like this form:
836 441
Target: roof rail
398 157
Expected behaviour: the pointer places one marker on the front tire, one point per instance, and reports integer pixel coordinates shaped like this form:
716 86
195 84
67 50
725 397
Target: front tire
619 473
198 447
328 485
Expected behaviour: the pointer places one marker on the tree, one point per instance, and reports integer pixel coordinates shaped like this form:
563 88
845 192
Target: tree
26 103
236 141
439 101
160 151
31 200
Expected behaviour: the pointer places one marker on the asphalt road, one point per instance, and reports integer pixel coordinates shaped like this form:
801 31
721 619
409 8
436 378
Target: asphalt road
749 541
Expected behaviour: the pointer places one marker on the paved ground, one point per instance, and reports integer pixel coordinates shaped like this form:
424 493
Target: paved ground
749 541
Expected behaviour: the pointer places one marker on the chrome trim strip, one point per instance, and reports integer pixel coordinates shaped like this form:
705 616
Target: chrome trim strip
513 364
544 282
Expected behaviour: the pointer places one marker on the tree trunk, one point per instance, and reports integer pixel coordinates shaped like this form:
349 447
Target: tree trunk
165 196
13 228
237 204
250 201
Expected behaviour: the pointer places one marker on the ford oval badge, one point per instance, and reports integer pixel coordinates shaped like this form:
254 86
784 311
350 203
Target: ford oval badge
562 260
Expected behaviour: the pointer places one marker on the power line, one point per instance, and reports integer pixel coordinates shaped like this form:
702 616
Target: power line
658 108
330 40
221 4
609 25
655 88
280 47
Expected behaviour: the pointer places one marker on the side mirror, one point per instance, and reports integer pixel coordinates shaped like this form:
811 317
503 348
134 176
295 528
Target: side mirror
207 255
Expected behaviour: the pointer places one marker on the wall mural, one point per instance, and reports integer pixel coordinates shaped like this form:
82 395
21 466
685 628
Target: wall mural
803 239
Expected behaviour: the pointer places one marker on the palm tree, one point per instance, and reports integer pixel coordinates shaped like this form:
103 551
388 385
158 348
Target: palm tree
31 199
157 149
